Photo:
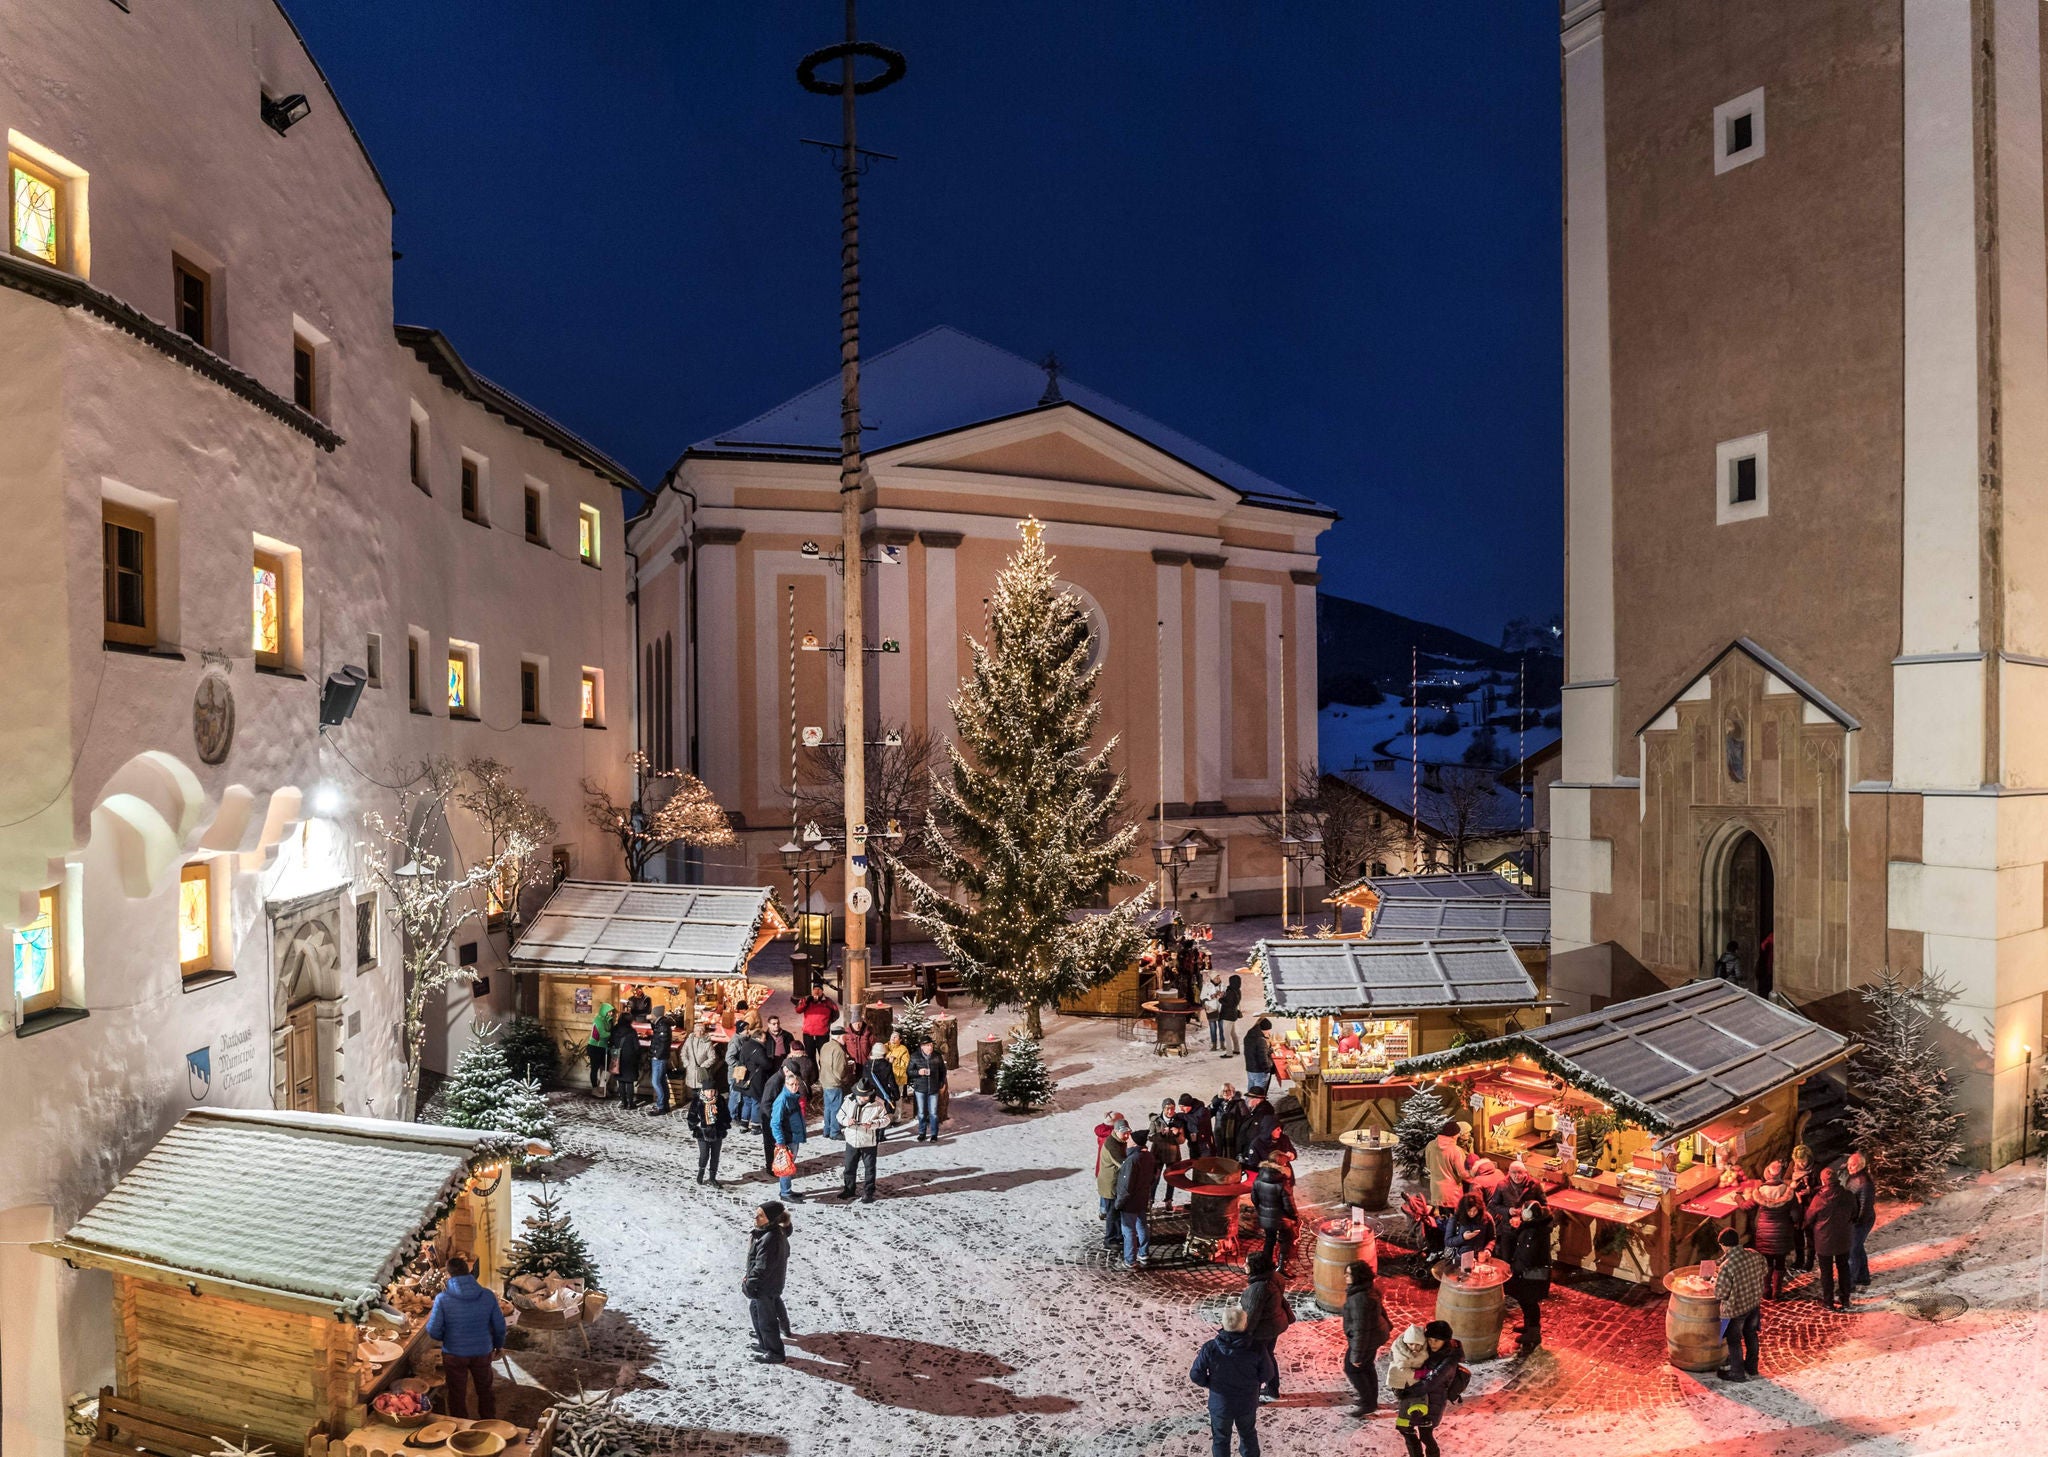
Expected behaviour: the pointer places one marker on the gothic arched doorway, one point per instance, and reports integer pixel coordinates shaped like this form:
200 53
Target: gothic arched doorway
1748 902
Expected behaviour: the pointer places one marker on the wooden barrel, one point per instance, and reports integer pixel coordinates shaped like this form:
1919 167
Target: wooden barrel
1337 1249
1368 1174
1474 1306
1692 1323
946 1034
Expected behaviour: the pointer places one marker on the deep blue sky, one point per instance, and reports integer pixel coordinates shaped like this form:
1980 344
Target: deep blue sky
1320 237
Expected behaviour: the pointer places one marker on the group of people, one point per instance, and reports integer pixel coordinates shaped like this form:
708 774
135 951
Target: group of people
1131 1164
767 1080
1476 1208
1805 1219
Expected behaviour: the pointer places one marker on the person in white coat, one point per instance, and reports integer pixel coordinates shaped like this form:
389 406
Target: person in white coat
861 1122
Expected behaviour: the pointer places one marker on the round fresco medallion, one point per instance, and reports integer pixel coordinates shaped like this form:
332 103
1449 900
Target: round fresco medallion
213 718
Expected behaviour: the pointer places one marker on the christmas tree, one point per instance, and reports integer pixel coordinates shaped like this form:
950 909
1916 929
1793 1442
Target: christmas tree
483 1093
1022 1080
530 1049
1422 1119
1027 819
551 1245
1908 1125
914 1020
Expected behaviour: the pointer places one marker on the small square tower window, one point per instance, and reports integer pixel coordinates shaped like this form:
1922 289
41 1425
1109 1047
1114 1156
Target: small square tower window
1742 469
1739 130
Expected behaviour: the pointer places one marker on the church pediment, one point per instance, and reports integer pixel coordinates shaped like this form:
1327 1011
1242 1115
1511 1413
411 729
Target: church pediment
1064 444
1778 681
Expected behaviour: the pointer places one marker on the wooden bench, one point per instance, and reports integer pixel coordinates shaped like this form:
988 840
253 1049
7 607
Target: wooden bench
915 977
127 1426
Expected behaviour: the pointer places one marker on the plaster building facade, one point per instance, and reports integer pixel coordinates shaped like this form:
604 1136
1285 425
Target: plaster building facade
1806 509
228 479
1199 574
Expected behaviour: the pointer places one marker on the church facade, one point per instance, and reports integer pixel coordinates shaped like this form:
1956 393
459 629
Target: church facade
1199 577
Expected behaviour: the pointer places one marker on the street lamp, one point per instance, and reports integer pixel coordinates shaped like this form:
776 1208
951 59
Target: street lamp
1174 856
1300 851
805 862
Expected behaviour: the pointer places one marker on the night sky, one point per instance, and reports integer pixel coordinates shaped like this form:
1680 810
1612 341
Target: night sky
1320 237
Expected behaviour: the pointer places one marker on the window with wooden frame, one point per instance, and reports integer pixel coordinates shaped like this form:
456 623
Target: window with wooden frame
305 371
415 687
473 490
462 680
593 698
39 956
269 609
195 919
192 301
536 516
530 700
366 931
587 534
37 212
128 571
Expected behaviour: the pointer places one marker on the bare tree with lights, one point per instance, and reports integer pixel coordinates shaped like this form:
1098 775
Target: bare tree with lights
900 764
425 901
508 817
1354 831
669 807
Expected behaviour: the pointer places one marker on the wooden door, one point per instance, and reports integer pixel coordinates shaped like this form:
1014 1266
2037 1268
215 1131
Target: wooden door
302 1060
1747 868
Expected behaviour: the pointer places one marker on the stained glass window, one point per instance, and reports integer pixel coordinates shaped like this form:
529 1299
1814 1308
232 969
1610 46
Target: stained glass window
589 698
267 620
458 683
35 957
195 919
34 214
586 534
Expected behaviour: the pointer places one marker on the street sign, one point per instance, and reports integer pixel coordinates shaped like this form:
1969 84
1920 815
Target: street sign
860 900
813 736
859 864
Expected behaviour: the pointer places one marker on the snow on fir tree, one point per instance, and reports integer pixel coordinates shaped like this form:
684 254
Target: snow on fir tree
1028 821
551 1244
914 1020
483 1093
1908 1125
1023 1082
1422 1119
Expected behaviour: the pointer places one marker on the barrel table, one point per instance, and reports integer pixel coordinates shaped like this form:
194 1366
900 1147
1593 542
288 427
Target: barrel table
1692 1322
1339 1245
1213 1187
1368 1167
1473 1304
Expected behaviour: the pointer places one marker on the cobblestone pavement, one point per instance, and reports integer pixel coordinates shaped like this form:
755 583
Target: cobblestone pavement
972 1311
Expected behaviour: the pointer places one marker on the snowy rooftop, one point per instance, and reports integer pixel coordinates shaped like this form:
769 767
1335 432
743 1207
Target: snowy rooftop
1671 1061
656 930
1450 795
309 1204
1518 919
945 380
1314 977
1445 885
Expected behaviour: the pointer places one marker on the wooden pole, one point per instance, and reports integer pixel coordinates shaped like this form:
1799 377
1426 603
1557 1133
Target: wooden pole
852 480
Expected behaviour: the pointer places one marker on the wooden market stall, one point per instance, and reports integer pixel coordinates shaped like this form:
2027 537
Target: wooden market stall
686 946
1360 1007
1520 920
1124 994
1365 893
256 1257
1649 1120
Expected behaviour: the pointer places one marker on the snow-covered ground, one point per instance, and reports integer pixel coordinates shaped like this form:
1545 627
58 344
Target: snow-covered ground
970 1311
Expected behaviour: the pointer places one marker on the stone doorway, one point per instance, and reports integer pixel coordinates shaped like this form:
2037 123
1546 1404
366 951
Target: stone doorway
1751 898
306 1005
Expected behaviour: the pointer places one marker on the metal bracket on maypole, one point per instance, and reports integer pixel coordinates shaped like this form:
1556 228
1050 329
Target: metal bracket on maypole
853 480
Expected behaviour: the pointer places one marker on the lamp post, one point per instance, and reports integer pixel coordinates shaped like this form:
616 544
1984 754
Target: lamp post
2026 1100
806 861
1174 856
1299 851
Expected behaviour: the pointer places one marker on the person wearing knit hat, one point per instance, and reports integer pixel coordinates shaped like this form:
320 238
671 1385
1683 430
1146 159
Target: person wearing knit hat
767 1268
1426 1384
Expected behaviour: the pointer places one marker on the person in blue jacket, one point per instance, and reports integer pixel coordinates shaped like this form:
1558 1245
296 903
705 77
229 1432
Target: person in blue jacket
1234 1368
786 1125
471 1330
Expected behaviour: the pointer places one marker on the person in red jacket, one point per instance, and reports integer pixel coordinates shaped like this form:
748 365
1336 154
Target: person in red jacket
817 1013
859 1039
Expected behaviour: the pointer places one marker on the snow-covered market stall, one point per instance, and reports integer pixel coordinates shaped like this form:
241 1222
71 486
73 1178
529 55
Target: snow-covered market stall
686 946
1649 1119
273 1272
1521 921
1359 1007
1365 893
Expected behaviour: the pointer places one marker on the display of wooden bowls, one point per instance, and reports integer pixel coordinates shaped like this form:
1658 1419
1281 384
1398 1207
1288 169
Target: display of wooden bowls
476 1442
380 1353
411 1383
433 1435
505 1429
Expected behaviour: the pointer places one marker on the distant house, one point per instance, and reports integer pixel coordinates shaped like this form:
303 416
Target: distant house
1463 817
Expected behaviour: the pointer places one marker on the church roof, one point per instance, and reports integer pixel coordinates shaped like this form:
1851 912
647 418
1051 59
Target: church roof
945 380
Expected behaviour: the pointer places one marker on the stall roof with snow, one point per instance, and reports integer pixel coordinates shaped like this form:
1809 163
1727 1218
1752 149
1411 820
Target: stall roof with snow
1517 919
1361 978
1461 885
310 1211
648 931
1671 1061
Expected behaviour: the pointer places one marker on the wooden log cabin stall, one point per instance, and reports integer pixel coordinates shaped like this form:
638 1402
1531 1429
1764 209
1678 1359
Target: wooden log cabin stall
1365 893
1649 1120
260 1258
1359 1008
687 946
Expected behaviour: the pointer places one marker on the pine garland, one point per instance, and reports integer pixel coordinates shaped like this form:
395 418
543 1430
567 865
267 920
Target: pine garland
1023 1082
1909 1124
1027 821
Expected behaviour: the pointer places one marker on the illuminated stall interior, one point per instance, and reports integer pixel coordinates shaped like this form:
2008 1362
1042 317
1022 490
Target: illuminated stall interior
1347 1012
686 946
1648 1120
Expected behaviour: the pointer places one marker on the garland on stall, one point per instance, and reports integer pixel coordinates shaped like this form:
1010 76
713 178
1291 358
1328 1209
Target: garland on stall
1499 1049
